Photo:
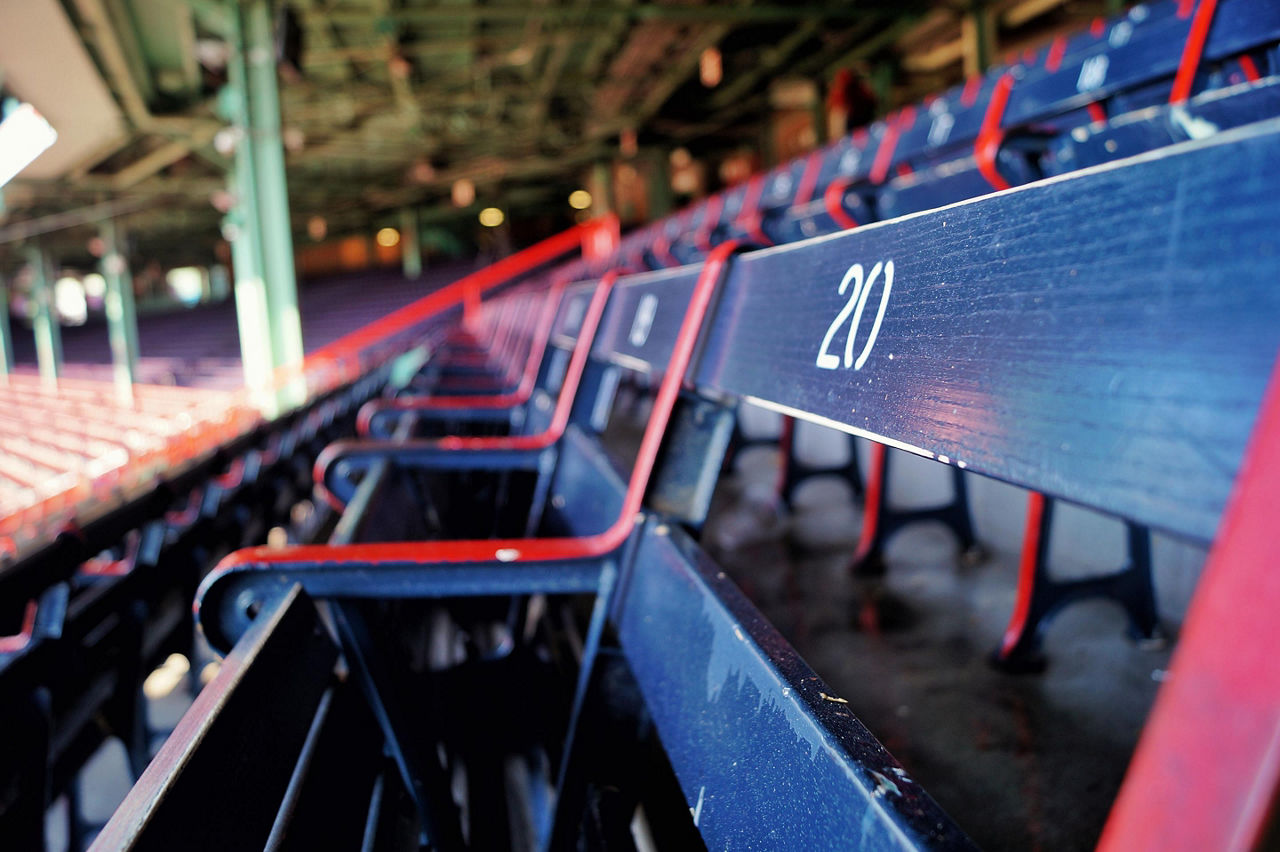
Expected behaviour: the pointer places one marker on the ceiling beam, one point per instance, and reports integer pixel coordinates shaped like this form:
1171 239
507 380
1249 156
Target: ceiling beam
1016 16
888 33
606 43
561 15
822 63
665 86
496 169
162 157
115 64
322 57
769 59
936 58
29 228
125 33
550 77
397 76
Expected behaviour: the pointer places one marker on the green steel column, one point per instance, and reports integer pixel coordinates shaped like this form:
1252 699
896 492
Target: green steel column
242 231
272 194
255 332
6 334
122 314
978 37
48 334
602 200
410 243
658 170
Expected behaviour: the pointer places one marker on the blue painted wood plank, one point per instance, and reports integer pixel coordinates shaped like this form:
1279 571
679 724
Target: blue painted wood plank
1103 338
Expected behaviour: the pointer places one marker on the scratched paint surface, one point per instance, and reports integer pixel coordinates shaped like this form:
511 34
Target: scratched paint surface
767 755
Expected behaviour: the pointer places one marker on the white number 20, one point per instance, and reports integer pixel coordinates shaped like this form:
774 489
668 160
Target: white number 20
856 304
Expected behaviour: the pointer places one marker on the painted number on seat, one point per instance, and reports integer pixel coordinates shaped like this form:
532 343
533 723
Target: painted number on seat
855 305
573 317
1093 73
643 322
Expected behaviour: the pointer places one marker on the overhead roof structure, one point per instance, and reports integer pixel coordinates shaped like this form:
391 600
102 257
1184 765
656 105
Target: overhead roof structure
387 103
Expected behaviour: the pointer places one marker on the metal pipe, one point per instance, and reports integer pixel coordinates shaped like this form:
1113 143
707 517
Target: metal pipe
410 243
272 196
242 230
122 313
6 333
45 320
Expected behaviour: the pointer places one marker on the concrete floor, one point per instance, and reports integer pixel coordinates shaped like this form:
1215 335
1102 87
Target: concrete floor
105 779
1027 762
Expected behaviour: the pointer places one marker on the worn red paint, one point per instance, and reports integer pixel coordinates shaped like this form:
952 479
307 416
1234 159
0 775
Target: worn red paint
991 134
1210 752
547 437
871 512
1192 50
532 549
1053 59
1250 69
833 202
1026 574
808 178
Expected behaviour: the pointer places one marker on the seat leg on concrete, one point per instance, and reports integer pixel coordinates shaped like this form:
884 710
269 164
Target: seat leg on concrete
1040 597
880 521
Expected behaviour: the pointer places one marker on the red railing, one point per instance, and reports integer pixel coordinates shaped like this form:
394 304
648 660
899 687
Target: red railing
164 428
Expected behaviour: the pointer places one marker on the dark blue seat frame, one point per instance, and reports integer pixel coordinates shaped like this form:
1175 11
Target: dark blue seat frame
1003 129
74 677
517 409
492 364
1081 283
537 427
890 811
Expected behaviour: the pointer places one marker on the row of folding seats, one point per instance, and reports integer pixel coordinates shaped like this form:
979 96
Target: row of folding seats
568 489
90 613
1157 75
756 744
95 623
1004 128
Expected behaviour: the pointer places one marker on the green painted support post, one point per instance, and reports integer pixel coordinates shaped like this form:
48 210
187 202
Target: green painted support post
252 312
658 171
978 30
6 334
272 195
410 243
601 188
45 321
243 232
122 313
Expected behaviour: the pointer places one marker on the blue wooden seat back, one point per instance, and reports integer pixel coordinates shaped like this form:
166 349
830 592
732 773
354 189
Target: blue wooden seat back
1133 50
587 488
948 123
1030 342
1157 126
778 196
685 245
949 182
639 328
379 418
